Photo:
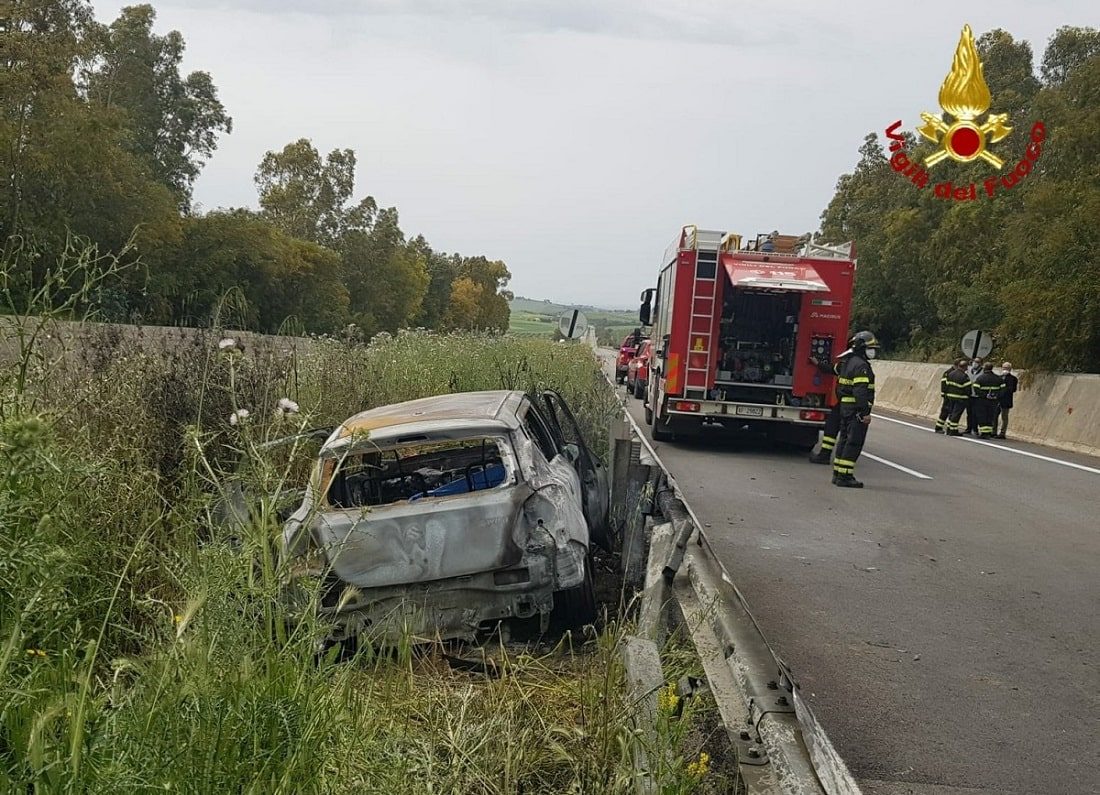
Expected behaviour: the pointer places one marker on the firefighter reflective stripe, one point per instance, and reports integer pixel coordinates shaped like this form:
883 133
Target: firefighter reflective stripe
828 442
855 386
956 385
842 466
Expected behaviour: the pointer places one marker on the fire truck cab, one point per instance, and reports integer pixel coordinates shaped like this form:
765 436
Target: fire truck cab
734 328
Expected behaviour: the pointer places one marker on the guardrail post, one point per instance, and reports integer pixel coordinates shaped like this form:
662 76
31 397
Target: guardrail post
652 621
620 444
644 678
631 500
673 510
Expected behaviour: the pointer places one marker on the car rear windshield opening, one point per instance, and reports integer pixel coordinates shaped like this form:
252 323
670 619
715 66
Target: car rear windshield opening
416 470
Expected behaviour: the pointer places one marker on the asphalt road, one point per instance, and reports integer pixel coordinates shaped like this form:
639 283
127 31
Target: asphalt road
943 622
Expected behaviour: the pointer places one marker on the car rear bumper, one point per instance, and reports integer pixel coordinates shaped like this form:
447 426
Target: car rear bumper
449 609
452 608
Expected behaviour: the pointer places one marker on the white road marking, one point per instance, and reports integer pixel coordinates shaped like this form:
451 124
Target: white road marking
902 422
1082 467
1047 458
906 470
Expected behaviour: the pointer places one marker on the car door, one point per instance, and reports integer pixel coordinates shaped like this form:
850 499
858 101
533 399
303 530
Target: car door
595 490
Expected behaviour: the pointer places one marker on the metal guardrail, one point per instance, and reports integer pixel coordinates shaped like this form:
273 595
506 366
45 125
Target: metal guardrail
781 747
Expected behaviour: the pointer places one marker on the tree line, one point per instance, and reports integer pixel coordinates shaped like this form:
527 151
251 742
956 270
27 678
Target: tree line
101 140
1023 263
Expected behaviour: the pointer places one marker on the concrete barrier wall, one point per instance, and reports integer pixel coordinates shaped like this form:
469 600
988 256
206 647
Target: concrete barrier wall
1057 410
71 339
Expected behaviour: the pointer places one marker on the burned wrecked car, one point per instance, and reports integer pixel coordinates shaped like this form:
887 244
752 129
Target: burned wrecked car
443 516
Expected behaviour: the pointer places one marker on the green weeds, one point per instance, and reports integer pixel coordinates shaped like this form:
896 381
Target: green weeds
142 646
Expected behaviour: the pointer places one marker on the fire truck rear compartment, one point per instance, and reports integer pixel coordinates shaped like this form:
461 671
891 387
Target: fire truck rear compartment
756 345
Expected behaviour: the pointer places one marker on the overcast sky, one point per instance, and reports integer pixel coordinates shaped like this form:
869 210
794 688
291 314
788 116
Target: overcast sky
573 138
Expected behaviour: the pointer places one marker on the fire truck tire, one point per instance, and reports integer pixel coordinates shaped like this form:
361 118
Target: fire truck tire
648 414
659 431
801 438
808 439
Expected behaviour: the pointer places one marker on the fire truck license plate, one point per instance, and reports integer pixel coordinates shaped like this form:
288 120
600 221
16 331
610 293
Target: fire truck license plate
750 411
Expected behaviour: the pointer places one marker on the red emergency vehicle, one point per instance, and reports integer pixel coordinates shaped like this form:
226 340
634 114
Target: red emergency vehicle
627 351
637 372
733 330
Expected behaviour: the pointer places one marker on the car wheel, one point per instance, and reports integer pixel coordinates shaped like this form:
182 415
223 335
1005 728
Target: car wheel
639 389
574 607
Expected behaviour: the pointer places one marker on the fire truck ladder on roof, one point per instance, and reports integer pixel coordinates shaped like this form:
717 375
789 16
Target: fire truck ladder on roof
811 248
704 292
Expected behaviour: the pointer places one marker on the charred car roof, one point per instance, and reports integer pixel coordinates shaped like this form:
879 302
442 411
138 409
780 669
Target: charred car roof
465 410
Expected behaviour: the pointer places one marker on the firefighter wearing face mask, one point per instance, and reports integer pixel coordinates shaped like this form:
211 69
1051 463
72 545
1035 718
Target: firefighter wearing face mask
856 389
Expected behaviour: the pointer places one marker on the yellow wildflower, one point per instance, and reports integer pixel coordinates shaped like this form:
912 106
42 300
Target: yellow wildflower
667 699
700 766
36 653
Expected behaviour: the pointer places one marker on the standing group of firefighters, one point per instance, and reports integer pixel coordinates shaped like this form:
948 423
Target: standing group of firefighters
968 386
984 395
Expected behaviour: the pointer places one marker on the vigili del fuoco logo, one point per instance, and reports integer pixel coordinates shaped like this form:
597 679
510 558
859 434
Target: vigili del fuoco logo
962 135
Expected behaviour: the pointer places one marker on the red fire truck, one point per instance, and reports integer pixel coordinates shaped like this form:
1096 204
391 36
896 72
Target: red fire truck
733 330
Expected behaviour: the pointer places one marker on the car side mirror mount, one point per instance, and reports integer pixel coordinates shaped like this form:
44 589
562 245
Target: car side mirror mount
571 452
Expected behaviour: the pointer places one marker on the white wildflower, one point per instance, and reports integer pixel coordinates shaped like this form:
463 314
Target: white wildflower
286 406
238 416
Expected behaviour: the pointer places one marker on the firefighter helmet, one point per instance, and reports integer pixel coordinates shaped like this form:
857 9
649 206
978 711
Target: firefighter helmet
862 339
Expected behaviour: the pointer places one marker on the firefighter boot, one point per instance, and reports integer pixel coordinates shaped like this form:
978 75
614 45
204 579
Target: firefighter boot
822 457
847 482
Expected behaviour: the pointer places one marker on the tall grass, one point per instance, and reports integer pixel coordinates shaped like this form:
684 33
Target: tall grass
140 651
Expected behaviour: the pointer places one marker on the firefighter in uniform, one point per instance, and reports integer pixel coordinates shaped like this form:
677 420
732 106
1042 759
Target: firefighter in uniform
956 391
944 404
832 422
856 388
987 400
